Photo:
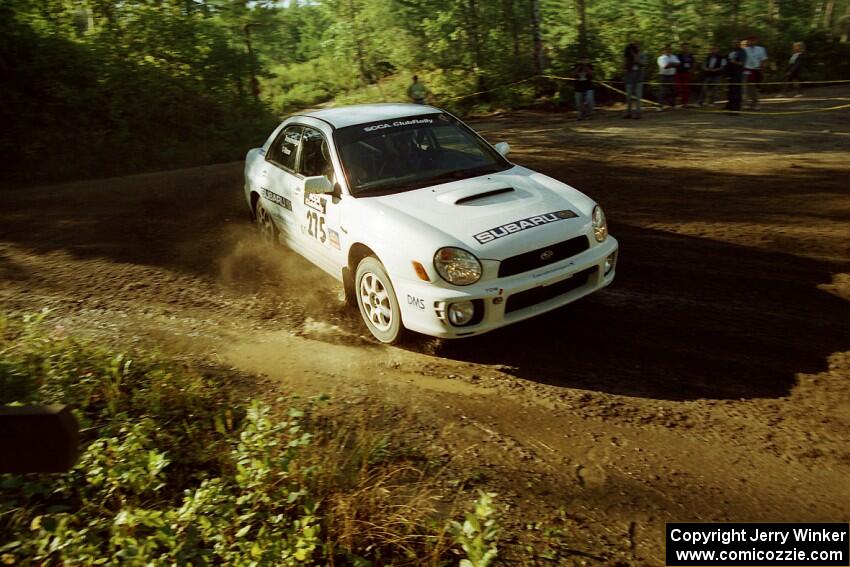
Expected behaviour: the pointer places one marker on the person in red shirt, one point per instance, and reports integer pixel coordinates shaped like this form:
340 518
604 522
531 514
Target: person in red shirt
683 74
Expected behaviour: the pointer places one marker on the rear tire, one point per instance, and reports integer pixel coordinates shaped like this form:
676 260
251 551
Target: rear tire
265 225
376 300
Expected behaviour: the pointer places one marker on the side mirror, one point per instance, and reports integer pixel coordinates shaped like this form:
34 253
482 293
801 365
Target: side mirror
318 184
503 148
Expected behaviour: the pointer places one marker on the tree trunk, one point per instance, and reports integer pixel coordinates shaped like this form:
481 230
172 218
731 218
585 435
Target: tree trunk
252 64
772 10
818 15
536 38
828 9
365 75
581 15
474 41
510 16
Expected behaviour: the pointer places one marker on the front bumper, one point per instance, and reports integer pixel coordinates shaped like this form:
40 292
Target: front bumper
507 300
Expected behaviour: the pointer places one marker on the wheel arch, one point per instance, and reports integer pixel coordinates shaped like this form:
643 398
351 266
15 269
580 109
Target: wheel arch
356 253
255 198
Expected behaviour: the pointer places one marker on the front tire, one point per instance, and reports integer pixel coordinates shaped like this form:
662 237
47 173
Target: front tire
377 301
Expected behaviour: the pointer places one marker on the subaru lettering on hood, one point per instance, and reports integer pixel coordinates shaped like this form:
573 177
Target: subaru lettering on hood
523 224
410 209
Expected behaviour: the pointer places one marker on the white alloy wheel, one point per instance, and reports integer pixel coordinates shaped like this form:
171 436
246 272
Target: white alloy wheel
377 301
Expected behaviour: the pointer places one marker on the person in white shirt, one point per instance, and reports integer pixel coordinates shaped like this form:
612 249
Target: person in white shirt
756 56
667 64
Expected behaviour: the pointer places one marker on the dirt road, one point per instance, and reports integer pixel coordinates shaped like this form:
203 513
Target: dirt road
711 381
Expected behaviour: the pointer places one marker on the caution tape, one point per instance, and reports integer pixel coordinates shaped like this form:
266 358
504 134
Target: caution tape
762 83
769 112
615 89
494 88
761 112
607 85
718 83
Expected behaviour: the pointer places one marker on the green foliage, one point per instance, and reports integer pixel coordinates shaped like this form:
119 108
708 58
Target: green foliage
478 534
136 86
176 470
225 490
258 515
93 88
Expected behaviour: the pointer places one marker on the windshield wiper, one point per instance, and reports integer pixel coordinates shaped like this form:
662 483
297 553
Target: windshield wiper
442 178
393 188
467 173
457 174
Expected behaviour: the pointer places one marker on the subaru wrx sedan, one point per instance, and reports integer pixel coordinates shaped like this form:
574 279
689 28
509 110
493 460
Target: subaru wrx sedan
428 227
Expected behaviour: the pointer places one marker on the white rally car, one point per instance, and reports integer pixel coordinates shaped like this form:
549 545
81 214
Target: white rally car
428 226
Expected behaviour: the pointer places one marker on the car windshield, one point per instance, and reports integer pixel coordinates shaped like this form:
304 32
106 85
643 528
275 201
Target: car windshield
412 152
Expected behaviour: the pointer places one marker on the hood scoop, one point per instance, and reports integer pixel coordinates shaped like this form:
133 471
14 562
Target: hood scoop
466 196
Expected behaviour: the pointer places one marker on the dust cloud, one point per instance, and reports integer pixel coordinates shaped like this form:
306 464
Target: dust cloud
315 298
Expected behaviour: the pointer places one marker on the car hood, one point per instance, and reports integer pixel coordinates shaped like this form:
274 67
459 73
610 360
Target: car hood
500 214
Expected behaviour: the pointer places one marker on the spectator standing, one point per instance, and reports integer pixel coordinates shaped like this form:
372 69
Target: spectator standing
634 66
735 62
417 92
712 68
796 66
583 75
756 56
683 74
667 63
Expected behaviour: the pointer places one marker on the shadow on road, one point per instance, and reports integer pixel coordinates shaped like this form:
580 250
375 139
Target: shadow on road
686 318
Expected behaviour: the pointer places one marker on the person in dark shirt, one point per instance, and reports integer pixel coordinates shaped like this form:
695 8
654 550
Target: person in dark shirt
797 64
634 66
583 75
713 69
735 62
683 74
416 92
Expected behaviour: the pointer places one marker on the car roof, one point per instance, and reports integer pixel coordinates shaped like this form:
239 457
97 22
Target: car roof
343 116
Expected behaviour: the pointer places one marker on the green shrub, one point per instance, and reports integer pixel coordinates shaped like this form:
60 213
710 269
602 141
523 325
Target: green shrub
478 533
176 469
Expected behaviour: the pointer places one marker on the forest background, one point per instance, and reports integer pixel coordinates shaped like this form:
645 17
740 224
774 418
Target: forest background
93 88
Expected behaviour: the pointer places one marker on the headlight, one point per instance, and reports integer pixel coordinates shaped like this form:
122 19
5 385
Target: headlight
600 225
457 266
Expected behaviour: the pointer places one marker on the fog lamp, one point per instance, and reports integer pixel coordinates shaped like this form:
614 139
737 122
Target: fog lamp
610 262
461 313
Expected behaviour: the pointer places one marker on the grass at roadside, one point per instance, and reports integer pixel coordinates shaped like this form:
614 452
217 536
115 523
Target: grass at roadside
179 467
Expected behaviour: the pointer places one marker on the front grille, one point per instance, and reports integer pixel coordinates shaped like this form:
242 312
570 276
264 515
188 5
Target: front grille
537 295
532 260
